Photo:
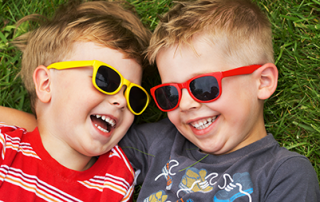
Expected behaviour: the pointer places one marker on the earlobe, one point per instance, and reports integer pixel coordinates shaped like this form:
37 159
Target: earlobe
268 80
42 82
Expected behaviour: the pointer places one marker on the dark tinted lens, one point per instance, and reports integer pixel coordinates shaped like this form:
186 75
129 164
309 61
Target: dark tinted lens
137 99
205 88
167 97
107 79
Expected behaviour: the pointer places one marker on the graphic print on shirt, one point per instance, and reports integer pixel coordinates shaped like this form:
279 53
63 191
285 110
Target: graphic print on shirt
194 180
160 196
199 180
188 200
240 186
166 172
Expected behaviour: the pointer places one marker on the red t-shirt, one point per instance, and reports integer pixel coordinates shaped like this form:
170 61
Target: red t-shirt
29 173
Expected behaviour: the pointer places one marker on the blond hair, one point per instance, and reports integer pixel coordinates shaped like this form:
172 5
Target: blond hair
242 28
105 23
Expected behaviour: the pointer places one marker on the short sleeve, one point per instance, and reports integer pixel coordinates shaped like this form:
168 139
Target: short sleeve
295 180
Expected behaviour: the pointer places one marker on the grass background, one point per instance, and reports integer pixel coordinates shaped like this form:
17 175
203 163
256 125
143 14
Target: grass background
292 114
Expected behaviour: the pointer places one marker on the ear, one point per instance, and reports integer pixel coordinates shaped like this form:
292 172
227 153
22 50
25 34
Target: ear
267 80
42 82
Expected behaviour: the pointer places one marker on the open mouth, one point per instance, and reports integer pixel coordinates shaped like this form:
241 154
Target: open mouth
103 123
204 123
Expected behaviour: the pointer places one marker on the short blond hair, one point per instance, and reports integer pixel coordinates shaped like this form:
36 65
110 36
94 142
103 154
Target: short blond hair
240 25
105 23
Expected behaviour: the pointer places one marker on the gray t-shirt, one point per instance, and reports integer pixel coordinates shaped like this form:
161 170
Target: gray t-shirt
173 169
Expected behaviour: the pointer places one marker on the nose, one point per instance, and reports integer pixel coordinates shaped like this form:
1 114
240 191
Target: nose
187 102
118 99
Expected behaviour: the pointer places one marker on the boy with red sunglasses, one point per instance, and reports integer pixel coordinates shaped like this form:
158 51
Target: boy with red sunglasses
83 71
215 59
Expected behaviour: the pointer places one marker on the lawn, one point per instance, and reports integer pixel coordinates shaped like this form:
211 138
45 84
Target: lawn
292 114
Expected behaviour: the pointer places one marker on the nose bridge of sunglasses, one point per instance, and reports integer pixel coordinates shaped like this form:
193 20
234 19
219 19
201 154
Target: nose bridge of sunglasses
184 85
184 91
126 85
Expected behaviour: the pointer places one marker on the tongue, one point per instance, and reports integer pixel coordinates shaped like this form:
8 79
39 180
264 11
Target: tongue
98 122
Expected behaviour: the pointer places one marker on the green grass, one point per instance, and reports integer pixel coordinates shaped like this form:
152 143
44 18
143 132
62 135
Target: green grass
292 114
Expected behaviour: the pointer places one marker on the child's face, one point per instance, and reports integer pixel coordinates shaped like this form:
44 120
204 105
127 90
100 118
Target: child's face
80 107
217 127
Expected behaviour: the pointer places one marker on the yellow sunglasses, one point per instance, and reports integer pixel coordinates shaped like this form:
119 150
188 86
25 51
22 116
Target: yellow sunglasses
109 81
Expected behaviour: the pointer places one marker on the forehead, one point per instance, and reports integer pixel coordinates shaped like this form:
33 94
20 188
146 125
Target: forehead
129 68
179 63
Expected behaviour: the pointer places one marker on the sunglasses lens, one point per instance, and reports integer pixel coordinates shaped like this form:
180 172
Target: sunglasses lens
137 99
205 88
167 97
107 79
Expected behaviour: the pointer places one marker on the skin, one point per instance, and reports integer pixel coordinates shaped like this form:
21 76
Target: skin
237 114
18 118
68 99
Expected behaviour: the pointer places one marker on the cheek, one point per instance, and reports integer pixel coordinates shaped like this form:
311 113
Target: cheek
126 122
238 100
238 90
172 115
175 119
128 119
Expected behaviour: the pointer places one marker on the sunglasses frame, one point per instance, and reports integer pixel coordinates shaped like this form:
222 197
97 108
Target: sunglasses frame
96 64
218 75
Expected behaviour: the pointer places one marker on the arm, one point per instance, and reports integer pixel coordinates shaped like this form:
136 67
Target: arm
19 118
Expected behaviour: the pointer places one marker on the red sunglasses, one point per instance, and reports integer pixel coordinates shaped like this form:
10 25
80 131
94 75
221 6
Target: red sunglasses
202 88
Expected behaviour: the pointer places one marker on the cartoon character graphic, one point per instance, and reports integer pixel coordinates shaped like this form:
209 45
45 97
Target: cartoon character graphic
159 196
166 172
240 186
194 180
188 200
199 180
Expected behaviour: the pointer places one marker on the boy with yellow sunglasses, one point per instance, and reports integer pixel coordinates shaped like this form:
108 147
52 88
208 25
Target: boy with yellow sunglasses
84 80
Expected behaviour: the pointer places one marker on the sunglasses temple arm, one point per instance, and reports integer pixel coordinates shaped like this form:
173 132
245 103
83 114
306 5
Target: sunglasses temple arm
240 71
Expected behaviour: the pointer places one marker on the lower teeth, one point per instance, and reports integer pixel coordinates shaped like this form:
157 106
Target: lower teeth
102 129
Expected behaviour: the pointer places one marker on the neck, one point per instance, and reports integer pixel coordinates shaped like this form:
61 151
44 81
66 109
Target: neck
63 153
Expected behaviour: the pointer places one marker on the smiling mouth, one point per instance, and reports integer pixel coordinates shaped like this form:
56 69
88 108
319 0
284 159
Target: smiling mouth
103 123
203 123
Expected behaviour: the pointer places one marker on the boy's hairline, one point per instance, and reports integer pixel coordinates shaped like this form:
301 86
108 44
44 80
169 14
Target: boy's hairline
175 27
215 40
82 40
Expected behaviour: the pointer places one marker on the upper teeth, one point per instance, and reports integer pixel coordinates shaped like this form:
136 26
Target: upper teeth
202 124
107 119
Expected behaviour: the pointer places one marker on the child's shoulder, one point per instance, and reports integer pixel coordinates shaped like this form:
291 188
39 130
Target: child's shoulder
276 150
12 130
285 161
283 152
